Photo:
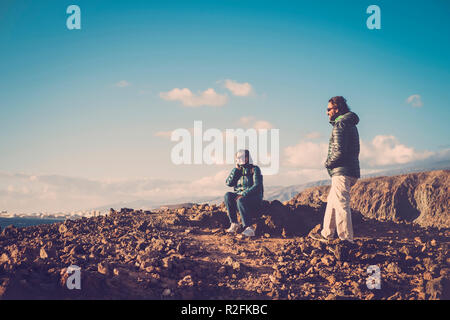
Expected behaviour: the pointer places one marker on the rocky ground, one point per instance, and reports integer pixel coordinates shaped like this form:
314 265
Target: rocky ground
185 254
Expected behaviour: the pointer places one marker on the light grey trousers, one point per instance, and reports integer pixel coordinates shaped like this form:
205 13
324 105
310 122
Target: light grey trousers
337 214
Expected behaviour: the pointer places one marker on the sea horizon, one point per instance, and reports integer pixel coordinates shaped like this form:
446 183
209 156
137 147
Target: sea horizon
22 222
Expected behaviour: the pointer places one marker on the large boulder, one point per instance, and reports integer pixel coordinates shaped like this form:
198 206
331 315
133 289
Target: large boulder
421 198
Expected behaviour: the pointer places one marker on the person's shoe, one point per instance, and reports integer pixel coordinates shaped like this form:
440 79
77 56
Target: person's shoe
249 232
318 237
333 237
348 244
233 228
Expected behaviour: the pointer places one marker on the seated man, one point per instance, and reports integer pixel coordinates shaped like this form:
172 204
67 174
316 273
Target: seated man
248 193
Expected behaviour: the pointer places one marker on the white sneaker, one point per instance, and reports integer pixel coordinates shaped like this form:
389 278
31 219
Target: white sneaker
249 232
233 228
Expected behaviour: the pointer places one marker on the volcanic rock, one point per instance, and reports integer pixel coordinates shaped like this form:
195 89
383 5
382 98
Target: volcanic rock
421 198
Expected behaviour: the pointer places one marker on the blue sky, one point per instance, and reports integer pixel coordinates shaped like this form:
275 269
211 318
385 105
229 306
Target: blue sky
63 110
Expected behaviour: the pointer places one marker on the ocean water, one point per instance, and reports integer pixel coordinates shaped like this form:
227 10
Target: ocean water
25 222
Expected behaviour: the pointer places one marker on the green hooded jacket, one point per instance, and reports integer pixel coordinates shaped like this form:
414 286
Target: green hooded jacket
343 149
247 180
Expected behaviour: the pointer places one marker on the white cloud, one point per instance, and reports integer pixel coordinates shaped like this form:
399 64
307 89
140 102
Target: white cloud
383 150
208 97
301 163
168 134
415 100
163 134
52 193
289 176
262 124
213 185
239 89
307 175
371 171
313 135
387 150
250 121
122 84
246 120
306 155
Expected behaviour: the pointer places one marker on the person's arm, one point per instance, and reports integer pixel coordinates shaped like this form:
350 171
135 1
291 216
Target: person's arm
338 146
257 182
233 177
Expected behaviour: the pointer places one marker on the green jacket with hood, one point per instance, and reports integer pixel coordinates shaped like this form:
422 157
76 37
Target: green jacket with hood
247 180
343 149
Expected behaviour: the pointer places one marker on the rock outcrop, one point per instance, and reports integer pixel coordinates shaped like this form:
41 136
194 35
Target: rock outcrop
422 198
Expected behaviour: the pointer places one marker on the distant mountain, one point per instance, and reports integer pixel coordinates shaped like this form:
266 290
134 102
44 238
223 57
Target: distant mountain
179 205
152 204
287 193
281 193
420 167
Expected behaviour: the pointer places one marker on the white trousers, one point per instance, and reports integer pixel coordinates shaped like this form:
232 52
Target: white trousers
337 214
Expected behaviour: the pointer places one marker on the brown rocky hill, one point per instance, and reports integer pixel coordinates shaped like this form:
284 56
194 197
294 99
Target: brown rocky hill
184 253
422 198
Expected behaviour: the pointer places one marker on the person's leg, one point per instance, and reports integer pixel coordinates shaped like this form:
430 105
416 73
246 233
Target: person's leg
230 203
329 220
247 206
342 207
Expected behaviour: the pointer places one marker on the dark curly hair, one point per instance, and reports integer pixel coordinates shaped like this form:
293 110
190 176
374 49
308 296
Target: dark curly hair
341 103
